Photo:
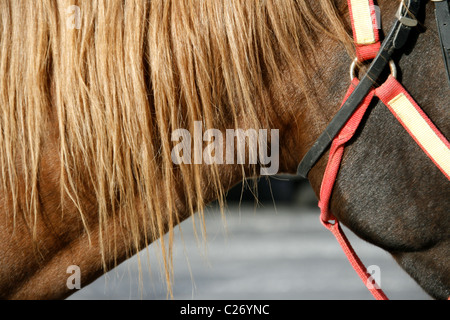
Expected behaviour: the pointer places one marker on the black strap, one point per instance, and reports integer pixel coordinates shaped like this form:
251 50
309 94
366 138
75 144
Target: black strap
443 22
396 39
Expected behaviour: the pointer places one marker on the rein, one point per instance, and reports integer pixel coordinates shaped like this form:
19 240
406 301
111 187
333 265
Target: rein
359 96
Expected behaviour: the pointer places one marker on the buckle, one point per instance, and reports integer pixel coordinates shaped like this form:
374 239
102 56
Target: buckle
403 15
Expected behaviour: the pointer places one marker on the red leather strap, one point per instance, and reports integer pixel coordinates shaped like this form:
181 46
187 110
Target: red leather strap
416 123
401 104
363 16
362 13
329 179
390 93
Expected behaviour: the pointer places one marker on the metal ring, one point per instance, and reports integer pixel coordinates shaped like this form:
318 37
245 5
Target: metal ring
354 65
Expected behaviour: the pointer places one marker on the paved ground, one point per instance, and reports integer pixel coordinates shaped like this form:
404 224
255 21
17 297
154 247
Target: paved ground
263 254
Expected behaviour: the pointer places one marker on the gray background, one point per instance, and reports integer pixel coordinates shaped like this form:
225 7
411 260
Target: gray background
266 252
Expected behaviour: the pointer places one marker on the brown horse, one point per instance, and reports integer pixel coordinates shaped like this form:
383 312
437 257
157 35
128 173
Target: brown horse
90 92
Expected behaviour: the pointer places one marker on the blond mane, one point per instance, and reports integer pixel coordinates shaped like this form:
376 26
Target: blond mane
117 87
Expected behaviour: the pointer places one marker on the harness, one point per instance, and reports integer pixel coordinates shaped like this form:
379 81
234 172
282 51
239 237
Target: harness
342 128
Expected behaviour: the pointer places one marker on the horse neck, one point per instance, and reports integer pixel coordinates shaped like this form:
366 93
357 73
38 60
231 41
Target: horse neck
327 90
332 84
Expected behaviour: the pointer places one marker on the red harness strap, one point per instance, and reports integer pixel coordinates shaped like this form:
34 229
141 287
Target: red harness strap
416 123
367 44
404 108
329 179
390 91
365 26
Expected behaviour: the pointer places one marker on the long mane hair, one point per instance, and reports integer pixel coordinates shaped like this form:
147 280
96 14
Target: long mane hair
115 89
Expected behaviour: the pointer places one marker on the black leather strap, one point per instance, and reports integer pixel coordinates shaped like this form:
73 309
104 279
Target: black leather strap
443 22
396 39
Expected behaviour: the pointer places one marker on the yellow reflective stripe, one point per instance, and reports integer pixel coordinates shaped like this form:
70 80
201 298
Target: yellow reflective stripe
421 131
363 22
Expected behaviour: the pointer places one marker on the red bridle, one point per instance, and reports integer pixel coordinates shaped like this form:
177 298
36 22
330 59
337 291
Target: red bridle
400 103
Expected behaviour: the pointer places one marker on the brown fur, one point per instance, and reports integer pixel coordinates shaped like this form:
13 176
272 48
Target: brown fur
86 117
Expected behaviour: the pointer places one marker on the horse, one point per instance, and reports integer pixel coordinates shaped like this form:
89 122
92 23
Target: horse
90 92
